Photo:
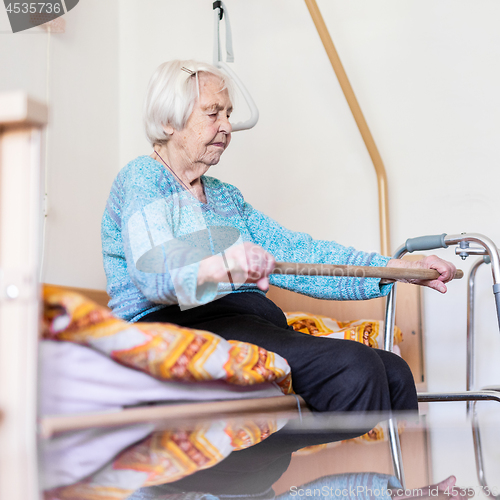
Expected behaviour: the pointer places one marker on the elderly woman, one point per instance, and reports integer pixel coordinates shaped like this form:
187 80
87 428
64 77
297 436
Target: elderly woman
185 248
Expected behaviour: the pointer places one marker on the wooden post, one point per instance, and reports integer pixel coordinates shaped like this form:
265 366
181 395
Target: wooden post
21 123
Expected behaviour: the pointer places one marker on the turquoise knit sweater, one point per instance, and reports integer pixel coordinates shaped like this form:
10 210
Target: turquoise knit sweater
154 235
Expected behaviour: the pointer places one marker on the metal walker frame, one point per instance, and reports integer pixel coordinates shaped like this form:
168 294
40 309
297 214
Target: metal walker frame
490 255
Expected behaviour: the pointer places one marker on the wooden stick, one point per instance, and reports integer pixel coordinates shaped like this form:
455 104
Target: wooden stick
390 273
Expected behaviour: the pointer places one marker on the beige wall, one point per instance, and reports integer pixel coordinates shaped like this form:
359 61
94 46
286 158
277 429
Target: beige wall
82 141
426 74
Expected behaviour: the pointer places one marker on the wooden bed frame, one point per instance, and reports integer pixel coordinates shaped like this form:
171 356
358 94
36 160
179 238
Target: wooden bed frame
21 123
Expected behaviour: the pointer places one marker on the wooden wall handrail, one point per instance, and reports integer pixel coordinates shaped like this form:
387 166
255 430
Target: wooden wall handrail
383 201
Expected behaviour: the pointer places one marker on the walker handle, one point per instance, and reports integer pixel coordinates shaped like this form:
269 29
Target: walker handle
426 243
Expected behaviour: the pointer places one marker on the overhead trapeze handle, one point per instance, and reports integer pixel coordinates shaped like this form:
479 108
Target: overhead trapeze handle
220 11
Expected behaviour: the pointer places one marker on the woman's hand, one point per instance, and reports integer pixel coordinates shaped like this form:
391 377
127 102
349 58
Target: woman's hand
445 269
246 263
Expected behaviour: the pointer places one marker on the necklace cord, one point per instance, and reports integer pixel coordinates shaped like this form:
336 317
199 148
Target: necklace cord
171 170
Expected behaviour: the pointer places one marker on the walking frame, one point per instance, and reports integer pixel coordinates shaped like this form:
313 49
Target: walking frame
490 255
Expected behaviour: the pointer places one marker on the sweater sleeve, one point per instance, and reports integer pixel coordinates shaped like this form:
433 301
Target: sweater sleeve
291 246
162 264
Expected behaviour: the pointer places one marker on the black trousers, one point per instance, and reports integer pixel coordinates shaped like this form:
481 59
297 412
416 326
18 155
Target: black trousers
330 374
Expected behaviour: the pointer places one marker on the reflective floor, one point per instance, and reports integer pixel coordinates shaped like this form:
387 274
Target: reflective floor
285 455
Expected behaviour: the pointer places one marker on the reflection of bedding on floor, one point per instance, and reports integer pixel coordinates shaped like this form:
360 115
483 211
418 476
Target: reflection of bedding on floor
84 464
75 378
113 464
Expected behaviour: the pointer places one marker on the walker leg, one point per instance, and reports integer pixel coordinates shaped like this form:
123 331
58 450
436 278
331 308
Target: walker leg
397 457
478 452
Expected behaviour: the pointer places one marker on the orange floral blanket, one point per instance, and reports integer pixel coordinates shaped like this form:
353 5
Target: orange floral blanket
165 351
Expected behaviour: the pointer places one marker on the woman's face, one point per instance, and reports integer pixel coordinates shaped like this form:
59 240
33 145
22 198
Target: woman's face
207 132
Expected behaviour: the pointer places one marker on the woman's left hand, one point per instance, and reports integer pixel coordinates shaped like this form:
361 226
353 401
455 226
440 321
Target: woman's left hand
444 268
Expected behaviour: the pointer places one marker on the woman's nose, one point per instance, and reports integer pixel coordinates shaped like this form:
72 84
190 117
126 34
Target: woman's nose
225 126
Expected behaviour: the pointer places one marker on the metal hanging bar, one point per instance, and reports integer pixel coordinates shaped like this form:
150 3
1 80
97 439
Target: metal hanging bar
220 11
383 202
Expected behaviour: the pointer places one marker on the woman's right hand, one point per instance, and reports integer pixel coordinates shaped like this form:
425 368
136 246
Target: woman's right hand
246 263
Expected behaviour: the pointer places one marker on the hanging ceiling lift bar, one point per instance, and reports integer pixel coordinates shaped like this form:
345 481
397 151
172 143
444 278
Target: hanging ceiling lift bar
220 11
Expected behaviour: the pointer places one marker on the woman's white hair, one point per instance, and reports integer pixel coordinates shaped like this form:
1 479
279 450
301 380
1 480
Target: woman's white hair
172 92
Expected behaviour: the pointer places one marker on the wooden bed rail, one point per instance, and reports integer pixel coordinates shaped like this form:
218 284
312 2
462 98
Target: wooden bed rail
172 413
21 122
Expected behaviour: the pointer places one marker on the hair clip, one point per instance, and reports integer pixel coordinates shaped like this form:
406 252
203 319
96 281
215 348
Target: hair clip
187 70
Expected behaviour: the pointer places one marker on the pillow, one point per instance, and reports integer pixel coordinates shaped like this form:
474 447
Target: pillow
105 385
162 350
368 332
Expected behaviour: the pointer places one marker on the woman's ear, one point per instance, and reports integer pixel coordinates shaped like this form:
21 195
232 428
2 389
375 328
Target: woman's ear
168 129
